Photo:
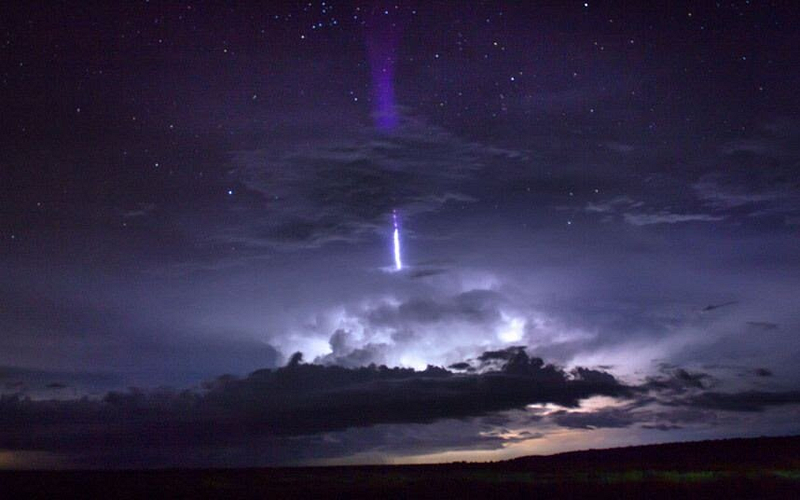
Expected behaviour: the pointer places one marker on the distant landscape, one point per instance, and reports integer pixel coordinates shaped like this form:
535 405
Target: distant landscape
767 467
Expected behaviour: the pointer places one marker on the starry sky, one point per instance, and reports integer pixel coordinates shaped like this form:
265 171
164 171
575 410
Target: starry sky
598 203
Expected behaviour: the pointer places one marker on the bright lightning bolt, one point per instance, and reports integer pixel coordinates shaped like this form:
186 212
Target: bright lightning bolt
398 263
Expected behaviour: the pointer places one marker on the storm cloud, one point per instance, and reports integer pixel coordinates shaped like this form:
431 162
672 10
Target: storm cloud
297 399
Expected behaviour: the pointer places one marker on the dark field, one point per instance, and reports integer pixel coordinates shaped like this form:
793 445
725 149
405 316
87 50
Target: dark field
734 468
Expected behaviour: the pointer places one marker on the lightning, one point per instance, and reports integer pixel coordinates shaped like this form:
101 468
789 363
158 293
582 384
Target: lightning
398 262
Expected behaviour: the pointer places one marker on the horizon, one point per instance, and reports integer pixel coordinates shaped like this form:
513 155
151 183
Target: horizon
583 451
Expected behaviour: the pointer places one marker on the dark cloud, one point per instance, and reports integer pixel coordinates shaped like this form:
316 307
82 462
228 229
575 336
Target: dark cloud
299 399
482 433
346 191
304 411
746 178
635 411
759 176
712 307
677 381
744 401
638 411
460 366
682 416
505 355
662 427
509 358
609 418
424 273
682 388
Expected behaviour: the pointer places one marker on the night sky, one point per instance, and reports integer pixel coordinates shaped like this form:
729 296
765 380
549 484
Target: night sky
598 207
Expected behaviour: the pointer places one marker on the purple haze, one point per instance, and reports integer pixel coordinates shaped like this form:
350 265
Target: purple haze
382 35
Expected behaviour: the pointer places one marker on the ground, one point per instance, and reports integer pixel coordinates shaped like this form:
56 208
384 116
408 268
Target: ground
733 468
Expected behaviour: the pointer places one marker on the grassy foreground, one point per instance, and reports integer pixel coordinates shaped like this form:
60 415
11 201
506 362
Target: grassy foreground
734 468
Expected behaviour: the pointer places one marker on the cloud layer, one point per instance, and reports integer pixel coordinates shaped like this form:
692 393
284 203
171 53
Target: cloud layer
344 191
293 407
298 399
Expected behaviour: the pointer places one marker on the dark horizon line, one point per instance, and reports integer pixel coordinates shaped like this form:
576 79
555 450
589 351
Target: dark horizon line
525 460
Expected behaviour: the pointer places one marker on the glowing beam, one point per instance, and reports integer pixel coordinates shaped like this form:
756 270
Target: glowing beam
382 36
398 262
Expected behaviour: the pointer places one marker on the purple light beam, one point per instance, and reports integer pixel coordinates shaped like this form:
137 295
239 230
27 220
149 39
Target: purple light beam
382 36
